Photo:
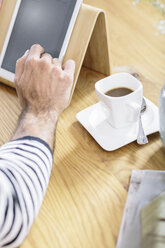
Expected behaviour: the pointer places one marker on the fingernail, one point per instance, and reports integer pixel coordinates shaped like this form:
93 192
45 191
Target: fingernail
72 61
26 52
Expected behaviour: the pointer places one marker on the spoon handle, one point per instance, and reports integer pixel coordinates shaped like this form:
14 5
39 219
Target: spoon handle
162 114
141 138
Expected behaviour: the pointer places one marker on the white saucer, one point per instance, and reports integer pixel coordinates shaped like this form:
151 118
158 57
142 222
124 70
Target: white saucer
109 138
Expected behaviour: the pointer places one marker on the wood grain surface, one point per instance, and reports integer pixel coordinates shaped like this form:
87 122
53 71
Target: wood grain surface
85 199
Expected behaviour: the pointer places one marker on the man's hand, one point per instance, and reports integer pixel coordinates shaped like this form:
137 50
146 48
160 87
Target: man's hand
43 86
0 3
42 83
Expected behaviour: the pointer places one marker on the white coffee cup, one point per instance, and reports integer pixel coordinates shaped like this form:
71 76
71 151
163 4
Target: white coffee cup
124 110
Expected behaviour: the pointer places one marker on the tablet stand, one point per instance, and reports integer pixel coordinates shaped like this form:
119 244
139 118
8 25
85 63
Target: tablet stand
88 46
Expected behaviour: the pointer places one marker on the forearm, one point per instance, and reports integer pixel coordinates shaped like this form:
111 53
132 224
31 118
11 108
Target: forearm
25 167
41 125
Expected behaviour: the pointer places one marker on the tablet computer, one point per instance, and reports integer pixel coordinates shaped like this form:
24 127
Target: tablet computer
45 22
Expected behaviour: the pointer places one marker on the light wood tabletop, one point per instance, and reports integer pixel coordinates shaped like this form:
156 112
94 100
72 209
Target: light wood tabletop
88 187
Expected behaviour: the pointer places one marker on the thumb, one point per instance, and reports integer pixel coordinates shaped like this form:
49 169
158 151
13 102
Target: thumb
20 66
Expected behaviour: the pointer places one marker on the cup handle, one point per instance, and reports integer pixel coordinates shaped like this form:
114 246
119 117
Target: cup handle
134 112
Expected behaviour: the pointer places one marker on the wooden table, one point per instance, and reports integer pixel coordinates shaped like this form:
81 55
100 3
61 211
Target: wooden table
84 203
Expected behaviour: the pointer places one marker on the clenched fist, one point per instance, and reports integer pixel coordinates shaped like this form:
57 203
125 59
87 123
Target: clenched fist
42 83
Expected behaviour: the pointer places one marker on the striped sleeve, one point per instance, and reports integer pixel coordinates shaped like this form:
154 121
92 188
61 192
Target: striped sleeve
25 167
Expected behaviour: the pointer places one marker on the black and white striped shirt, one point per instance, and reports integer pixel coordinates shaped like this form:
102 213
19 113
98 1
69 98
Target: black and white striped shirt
25 167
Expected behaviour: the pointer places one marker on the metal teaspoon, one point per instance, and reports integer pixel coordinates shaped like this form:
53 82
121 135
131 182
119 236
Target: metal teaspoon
142 138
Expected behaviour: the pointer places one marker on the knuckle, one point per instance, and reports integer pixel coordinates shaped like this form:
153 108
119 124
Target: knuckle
57 71
61 77
18 61
44 63
31 62
68 78
47 55
36 46
15 81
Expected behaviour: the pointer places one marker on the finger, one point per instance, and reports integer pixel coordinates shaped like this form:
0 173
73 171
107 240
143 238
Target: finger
69 67
57 62
20 65
35 51
0 3
47 57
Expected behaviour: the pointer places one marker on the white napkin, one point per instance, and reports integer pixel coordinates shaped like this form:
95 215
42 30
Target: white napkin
153 223
145 185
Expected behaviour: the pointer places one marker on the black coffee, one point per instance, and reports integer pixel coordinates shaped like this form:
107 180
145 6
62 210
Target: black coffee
120 91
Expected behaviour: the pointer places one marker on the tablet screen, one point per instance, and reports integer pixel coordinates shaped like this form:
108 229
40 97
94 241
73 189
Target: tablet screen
44 22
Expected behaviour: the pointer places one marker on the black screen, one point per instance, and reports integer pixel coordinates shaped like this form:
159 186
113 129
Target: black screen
44 22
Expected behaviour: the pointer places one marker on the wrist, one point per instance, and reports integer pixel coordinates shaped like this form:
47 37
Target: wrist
44 117
41 125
